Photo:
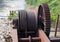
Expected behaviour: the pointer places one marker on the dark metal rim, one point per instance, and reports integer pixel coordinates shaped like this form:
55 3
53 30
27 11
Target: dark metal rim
22 20
44 15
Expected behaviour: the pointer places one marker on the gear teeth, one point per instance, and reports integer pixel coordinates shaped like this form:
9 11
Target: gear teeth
44 12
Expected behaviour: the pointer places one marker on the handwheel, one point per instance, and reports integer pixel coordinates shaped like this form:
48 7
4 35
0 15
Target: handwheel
44 18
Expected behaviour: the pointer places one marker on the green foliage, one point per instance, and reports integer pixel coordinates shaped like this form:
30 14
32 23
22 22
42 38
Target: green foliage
12 14
54 6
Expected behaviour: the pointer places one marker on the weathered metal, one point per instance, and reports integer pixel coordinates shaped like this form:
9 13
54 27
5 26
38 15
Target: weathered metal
29 25
44 17
14 35
22 22
31 21
27 39
43 36
56 25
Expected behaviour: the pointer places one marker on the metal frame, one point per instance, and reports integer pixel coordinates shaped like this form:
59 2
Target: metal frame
42 36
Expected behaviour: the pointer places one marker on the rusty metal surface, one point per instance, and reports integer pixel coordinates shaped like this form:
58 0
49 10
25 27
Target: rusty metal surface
43 36
44 17
14 35
56 25
28 24
27 39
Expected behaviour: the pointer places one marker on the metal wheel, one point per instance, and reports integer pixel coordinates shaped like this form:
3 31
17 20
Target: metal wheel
31 24
31 21
27 24
44 18
22 22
